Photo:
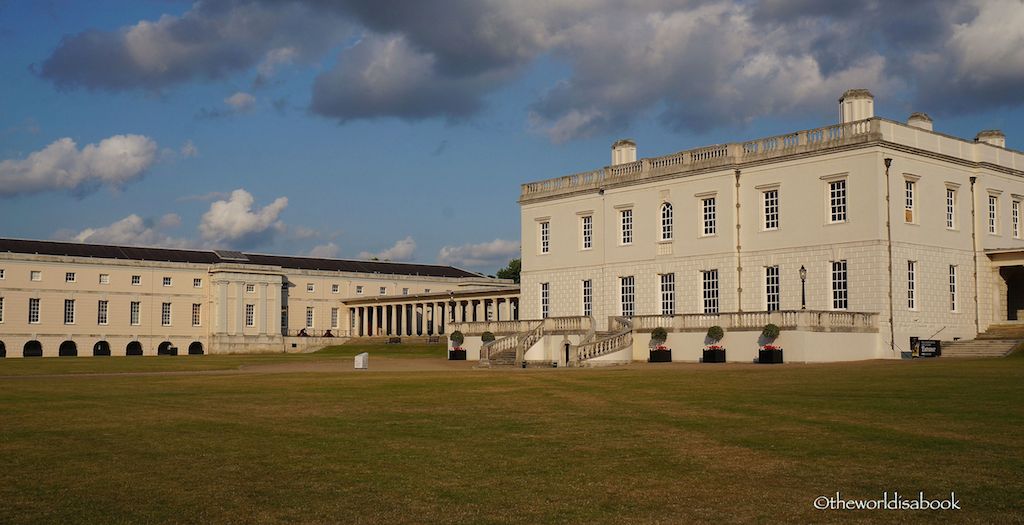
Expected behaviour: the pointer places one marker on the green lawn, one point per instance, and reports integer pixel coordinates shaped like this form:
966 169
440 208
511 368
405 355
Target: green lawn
673 444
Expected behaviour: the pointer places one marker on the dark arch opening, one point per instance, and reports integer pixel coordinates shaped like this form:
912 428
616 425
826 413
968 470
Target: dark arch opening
196 348
3 350
166 348
134 348
33 348
101 349
68 349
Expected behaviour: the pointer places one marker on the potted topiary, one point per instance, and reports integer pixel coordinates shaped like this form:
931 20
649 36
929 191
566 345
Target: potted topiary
659 352
713 351
769 352
457 353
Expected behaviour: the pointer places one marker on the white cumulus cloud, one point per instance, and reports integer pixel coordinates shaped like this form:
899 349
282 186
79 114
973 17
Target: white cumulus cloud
325 251
481 255
132 230
114 161
235 222
240 101
402 250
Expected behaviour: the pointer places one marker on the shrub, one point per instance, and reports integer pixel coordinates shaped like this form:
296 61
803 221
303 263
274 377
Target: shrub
487 337
457 338
770 331
659 335
715 333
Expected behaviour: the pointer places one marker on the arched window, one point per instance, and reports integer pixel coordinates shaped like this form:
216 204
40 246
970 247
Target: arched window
101 349
32 349
196 348
166 348
133 348
666 221
3 350
67 349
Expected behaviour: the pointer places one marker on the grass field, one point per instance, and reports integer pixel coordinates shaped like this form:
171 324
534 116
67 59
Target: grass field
646 444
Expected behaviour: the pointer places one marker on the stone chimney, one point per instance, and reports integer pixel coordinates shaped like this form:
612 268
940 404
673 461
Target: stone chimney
991 136
623 151
920 120
856 104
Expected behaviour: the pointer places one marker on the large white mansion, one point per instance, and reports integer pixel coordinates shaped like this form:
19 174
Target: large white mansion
852 238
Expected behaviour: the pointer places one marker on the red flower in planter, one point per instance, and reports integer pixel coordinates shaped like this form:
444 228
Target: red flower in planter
661 347
772 347
715 347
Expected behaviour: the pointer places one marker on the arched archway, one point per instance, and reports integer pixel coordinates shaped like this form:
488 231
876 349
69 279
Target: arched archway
134 348
32 348
166 348
3 350
101 349
196 348
68 349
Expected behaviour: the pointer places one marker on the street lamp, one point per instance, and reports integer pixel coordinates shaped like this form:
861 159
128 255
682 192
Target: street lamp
803 287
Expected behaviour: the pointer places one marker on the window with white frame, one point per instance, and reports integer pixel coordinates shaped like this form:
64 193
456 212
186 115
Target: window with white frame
359 290
545 236
383 290
334 317
668 294
104 278
666 221
135 310
101 312
167 281
136 280
1015 216
710 291
197 314
772 288
588 297
952 288
587 231
709 214
69 311
1 309
250 288
310 315
310 288
627 297
912 285
840 286
250 315
3 274
837 200
165 314
197 283
909 190
950 208
770 199
69 277
36 275
626 226
993 214
33 311
335 288
405 291
545 300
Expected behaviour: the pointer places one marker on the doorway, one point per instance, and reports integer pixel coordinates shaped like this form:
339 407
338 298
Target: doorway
1014 278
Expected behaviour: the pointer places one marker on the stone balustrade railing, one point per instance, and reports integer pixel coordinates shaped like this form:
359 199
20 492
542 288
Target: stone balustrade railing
706 157
807 320
617 341
475 328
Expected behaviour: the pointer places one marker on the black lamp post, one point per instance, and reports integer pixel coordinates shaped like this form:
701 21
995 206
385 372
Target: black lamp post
803 287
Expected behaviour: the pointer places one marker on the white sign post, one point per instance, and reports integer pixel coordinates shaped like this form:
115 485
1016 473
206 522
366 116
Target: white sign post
362 361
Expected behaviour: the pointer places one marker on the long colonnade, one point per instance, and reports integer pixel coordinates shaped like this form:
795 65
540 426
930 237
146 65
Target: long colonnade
427 317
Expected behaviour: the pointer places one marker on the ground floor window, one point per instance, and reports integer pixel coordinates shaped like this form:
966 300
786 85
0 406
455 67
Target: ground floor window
840 286
310 313
710 291
952 288
668 294
588 297
772 289
628 296
545 300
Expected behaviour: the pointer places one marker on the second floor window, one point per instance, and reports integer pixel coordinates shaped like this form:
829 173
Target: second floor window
101 312
136 280
709 215
197 314
33 311
69 311
310 315
334 317
167 281
136 308
1015 217
771 209
250 315
626 221
587 231
69 277
666 221
950 208
165 314
837 200
197 283
993 214
908 208
545 237
250 288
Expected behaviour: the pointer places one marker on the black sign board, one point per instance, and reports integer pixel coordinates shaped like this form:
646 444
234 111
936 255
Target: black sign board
930 348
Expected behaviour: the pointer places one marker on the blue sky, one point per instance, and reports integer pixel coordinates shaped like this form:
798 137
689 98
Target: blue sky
403 130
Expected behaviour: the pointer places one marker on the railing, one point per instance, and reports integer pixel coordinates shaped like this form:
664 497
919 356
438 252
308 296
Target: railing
810 320
613 343
497 346
309 332
569 324
494 327
528 340
705 157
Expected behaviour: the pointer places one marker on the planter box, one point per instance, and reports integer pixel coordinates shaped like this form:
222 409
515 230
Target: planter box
714 356
456 355
769 356
660 356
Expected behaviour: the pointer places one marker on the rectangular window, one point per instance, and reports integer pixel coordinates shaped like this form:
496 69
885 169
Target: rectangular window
136 307
101 312
993 213
710 279
405 291
626 221
952 288
310 288
165 314
912 285
167 281
908 211
668 294
840 295
197 283
771 209
359 290
587 233
136 280
36 275
588 297
250 315
1015 215
545 300
334 317
1 309
104 278
3 273
545 237
335 288
837 200
710 215
197 314
250 288
69 311
772 289
950 208
628 296
69 277
383 291
310 314
33 311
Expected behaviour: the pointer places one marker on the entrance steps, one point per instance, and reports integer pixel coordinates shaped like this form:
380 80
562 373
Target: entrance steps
978 348
1003 332
406 340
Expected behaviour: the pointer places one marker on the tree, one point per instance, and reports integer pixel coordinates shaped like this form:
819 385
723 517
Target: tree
512 270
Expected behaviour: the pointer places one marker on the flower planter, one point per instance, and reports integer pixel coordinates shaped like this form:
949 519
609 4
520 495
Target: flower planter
660 356
456 355
714 355
769 356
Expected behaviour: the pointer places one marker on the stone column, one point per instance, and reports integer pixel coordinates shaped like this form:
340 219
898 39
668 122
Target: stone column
410 318
261 310
443 320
